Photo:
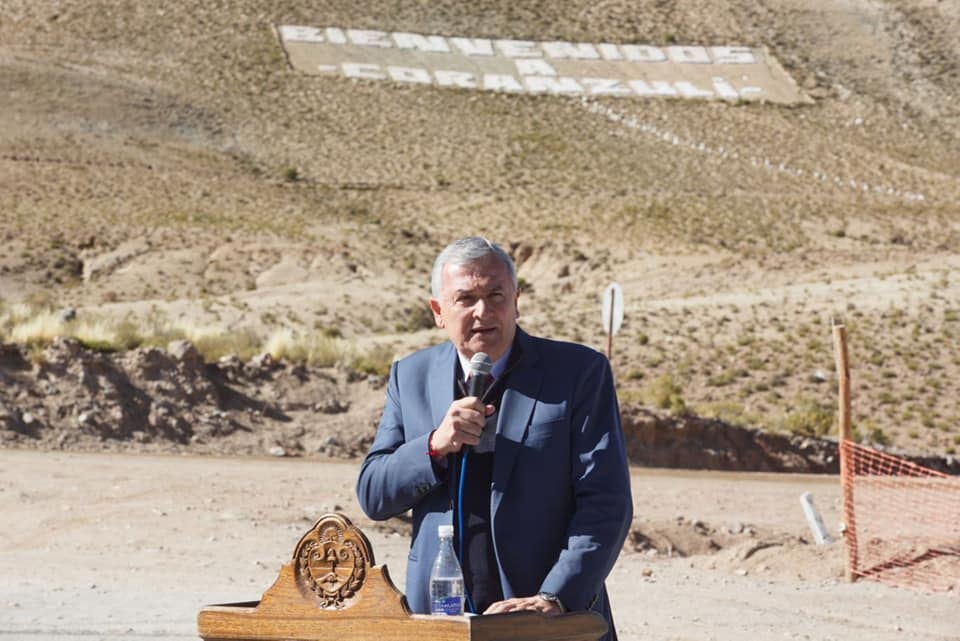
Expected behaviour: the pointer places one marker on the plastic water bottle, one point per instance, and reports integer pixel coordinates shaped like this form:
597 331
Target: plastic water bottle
446 579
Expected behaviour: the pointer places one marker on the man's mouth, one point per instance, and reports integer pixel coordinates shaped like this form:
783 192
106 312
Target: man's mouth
483 330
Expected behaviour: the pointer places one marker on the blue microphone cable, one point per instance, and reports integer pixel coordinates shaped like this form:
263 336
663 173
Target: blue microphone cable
463 474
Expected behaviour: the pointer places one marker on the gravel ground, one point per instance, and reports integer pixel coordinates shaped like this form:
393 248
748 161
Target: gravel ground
111 546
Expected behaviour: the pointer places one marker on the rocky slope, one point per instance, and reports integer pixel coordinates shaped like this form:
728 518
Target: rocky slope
170 401
165 165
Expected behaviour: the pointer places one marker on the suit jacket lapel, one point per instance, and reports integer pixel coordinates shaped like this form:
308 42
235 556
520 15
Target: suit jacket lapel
441 381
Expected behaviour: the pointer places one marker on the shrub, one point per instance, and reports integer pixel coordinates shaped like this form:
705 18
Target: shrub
376 361
103 336
629 396
38 328
809 418
316 349
326 351
286 344
726 377
331 332
728 412
214 345
665 393
414 318
878 436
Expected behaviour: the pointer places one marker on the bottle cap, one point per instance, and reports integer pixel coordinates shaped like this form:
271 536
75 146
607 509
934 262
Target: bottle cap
445 530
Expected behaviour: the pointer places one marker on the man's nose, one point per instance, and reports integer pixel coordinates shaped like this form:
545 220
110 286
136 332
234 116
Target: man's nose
480 308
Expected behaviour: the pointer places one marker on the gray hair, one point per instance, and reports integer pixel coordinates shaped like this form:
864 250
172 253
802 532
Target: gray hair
465 251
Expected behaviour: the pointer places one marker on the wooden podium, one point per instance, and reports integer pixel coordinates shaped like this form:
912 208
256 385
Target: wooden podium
332 591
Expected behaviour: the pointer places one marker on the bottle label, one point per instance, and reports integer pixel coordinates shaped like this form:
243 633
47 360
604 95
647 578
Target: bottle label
452 605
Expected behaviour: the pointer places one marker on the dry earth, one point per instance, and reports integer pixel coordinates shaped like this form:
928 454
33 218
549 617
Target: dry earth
162 166
127 547
163 171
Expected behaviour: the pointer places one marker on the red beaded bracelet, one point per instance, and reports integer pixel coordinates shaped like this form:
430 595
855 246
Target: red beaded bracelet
430 449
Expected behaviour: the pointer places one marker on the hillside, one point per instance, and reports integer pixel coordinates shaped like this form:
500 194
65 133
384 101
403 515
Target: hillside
162 165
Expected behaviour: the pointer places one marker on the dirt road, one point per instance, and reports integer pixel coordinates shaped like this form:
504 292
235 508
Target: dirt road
131 547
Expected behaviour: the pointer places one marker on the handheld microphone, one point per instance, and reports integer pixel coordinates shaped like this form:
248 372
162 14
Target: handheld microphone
480 367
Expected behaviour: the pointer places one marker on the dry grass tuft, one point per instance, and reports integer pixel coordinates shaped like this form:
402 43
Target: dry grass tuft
35 328
317 349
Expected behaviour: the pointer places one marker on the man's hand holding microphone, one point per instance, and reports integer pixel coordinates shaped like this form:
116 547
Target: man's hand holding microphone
466 417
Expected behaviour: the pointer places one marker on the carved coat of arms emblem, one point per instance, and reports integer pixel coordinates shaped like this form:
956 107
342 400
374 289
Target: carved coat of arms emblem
331 562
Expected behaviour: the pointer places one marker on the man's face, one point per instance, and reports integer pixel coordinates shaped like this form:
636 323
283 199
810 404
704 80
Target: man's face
477 307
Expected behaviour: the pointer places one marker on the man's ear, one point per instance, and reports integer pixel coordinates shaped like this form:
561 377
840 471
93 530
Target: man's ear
435 308
516 305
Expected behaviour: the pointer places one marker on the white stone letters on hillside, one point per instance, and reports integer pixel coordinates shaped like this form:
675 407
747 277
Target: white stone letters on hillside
548 67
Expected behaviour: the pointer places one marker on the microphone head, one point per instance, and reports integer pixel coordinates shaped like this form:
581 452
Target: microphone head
480 364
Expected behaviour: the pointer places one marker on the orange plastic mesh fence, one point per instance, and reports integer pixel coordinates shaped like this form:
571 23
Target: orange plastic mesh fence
902 520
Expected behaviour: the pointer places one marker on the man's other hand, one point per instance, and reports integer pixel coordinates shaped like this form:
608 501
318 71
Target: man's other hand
534 603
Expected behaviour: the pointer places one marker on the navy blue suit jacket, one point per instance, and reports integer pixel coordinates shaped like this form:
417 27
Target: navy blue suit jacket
560 504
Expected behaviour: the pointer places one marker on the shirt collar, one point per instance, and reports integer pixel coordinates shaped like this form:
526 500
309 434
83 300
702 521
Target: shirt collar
498 366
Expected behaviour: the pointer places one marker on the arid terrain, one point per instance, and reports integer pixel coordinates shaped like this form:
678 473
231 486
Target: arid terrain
166 175
204 252
122 547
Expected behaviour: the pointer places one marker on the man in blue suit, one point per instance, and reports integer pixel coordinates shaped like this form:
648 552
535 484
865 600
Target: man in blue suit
533 475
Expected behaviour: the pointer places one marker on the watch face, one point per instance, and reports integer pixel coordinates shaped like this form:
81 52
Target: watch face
552 598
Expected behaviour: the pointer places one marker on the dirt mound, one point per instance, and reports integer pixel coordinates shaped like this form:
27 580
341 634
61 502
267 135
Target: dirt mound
153 400
150 400
736 548
682 537
658 439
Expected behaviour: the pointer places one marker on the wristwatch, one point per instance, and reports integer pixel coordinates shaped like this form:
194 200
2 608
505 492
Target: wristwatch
552 598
